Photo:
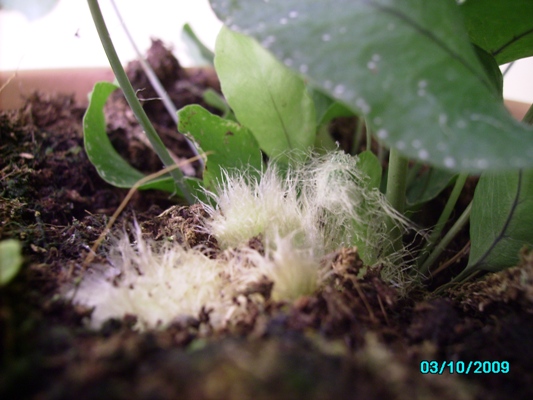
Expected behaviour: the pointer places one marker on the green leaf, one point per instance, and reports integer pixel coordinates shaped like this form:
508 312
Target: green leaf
427 185
503 28
233 146
110 165
491 69
200 53
370 165
501 220
215 100
265 96
328 109
10 260
406 65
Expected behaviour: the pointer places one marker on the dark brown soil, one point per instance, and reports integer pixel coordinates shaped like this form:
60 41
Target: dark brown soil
355 339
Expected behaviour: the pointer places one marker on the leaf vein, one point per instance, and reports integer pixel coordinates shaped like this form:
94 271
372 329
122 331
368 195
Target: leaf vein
287 136
512 41
503 233
431 36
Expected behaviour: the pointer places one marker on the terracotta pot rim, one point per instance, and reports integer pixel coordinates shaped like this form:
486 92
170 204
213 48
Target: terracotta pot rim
16 85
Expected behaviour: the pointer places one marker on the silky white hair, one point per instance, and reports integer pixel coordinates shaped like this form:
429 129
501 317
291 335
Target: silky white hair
300 215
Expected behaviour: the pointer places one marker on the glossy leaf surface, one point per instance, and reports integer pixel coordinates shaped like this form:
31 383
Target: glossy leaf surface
407 66
503 28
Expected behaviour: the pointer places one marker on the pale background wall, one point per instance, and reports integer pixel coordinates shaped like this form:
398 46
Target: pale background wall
66 37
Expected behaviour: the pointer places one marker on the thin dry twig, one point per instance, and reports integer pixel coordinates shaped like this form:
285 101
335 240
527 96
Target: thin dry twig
460 254
92 253
8 82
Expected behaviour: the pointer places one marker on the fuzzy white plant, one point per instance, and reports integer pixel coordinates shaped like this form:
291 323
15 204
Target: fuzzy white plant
324 204
300 216
294 271
155 283
249 207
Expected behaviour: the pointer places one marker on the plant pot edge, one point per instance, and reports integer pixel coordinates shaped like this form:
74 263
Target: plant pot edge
16 85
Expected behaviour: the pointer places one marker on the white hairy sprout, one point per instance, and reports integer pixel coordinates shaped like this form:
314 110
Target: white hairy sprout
247 208
155 283
325 204
294 271
301 215
335 192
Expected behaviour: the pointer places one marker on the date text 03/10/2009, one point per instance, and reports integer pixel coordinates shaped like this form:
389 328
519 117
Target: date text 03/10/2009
464 367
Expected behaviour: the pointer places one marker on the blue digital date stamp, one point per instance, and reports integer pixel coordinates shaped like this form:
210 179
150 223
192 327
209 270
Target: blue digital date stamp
464 367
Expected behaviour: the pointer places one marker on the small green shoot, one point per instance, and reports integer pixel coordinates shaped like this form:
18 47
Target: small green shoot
10 260
201 54
215 100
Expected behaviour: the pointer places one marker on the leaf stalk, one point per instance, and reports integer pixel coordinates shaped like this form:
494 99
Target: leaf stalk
132 100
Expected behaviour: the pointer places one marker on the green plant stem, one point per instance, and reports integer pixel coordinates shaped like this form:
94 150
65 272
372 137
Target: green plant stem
396 188
204 51
368 137
397 180
454 230
156 83
132 100
358 136
213 99
444 217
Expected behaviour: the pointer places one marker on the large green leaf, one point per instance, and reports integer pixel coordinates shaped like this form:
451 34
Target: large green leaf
406 65
232 145
503 28
110 165
266 97
501 221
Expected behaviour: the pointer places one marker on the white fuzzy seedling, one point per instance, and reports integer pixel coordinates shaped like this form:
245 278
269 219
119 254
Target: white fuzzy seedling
294 271
302 215
247 208
324 204
156 284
